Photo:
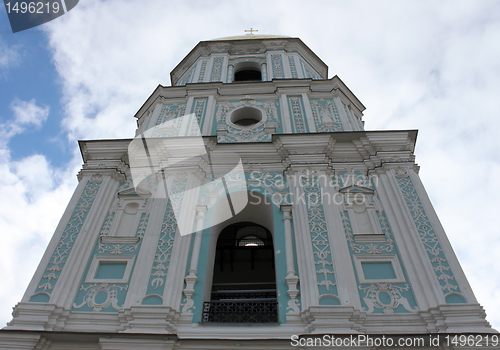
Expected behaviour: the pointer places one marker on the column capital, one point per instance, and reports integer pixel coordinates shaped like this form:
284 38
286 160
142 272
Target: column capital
286 208
201 209
287 211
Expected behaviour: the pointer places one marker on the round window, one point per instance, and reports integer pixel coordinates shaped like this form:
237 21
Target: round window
246 116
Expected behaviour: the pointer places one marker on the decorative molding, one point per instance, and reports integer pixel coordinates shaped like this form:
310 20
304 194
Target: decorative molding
392 298
165 244
68 237
326 116
199 110
202 71
227 132
217 69
319 232
169 112
277 62
428 236
187 77
90 299
297 113
293 69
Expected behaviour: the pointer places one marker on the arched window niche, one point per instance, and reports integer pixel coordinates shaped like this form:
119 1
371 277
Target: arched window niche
247 71
242 265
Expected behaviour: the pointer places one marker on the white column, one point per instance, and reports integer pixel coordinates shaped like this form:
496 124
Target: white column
264 71
291 279
191 278
230 73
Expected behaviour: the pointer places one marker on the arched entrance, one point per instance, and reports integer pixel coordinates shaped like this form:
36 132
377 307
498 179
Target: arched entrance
243 288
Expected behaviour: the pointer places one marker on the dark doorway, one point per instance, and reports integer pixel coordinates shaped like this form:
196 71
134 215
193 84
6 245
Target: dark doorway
244 278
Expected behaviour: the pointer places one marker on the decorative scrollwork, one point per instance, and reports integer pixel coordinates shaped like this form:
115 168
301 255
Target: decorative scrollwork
167 235
90 299
370 248
217 69
319 233
297 113
386 297
69 235
326 116
277 66
428 236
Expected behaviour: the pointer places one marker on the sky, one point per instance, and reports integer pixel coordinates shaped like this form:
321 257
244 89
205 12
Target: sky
427 65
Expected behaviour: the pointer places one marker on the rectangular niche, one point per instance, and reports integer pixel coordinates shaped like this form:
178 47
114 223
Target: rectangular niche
380 268
110 269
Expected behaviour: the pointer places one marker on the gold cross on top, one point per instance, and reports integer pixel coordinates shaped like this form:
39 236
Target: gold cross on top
250 32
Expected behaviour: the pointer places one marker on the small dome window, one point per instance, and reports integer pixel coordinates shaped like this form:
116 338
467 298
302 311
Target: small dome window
246 116
247 71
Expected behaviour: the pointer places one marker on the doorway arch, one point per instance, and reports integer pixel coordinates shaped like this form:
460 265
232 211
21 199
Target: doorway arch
240 284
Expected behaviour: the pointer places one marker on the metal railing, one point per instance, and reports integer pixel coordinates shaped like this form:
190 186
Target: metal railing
242 303
238 311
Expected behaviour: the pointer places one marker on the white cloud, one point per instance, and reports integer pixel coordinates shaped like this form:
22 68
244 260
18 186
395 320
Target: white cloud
9 56
26 114
33 196
429 65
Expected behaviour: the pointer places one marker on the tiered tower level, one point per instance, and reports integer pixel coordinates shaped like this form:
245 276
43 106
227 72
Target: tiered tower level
338 235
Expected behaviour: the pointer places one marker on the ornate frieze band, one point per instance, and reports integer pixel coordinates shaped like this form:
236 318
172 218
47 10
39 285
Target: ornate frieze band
217 69
428 236
169 112
187 78
297 114
113 245
199 109
202 71
307 71
293 69
325 115
319 237
388 296
277 66
67 240
163 253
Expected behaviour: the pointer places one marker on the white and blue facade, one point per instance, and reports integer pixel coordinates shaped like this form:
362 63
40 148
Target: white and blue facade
355 245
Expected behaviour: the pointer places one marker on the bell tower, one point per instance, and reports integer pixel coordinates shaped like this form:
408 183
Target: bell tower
251 206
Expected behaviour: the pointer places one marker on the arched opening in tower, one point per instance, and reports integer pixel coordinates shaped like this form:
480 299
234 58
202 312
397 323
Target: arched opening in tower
249 74
244 276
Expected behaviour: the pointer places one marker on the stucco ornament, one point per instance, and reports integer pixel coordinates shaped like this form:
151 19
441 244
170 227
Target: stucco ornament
386 297
110 291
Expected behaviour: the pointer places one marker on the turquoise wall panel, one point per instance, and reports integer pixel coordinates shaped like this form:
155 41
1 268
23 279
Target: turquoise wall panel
67 240
378 270
318 230
428 237
297 114
110 270
90 296
161 262
326 115
402 299
271 108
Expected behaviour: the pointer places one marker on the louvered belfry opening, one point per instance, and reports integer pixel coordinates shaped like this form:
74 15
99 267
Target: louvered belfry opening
244 278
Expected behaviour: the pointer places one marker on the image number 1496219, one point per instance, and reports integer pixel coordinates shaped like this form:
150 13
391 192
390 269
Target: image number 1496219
28 14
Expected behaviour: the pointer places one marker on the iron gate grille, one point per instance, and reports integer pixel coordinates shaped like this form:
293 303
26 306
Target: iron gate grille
238 311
